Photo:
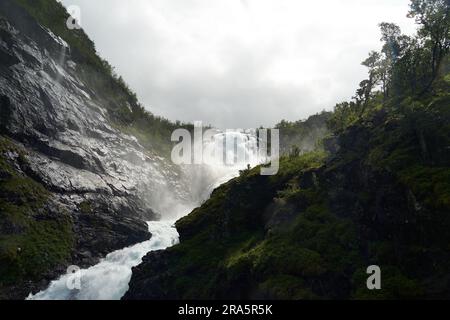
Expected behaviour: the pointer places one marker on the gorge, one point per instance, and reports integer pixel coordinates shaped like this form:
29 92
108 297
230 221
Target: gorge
87 180
108 280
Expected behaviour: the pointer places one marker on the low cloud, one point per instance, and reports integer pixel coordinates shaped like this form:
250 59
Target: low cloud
239 63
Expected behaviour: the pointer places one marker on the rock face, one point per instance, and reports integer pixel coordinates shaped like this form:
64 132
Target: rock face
146 287
106 180
311 231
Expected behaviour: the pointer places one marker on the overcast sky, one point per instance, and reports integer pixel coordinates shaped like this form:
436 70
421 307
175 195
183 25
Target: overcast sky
239 63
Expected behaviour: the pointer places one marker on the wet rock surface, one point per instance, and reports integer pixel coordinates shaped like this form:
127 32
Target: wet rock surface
108 183
145 287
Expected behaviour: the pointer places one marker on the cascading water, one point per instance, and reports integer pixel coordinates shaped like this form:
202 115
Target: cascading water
224 155
108 280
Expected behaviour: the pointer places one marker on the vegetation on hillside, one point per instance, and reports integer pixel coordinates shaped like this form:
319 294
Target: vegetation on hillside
303 136
381 197
35 237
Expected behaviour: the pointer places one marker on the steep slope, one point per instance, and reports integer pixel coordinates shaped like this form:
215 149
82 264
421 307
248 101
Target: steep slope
312 230
379 194
74 184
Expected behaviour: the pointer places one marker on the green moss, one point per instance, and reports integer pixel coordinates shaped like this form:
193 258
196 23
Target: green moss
85 207
431 185
33 240
394 285
279 255
290 166
285 287
40 247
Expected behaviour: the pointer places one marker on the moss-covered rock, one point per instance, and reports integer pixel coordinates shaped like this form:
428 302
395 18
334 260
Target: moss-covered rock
36 236
312 230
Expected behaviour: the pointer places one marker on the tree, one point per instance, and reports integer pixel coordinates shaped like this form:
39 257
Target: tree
393 49
390 35
363 93
374 64
433 16
377 74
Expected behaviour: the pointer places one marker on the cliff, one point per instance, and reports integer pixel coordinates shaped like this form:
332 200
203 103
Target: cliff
311 231
74 183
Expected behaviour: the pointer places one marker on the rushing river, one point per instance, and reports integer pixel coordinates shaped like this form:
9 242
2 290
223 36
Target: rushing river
108 280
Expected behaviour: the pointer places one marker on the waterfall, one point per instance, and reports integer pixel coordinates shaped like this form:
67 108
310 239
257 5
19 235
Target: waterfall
108 280
224 155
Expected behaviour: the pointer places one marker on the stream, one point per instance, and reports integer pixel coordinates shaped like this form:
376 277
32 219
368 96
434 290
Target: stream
109 279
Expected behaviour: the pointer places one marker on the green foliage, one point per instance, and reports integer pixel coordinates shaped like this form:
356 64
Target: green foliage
291 165
85 207
52 15
345 114
395 285
311 230
407 68
279 255
430 185
285 287
302 136
33 240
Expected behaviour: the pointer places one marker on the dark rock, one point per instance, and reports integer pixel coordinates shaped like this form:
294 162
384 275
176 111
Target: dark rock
148 279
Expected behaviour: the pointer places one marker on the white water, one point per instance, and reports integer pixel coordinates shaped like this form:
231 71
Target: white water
223 160
109 279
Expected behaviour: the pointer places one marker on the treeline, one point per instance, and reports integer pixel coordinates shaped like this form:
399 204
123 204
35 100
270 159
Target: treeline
407 66
302 136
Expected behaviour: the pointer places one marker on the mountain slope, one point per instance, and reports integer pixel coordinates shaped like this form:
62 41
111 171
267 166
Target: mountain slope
312 230
378 195
74 183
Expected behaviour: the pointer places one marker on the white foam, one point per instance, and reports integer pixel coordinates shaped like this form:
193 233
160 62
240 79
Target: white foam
108 280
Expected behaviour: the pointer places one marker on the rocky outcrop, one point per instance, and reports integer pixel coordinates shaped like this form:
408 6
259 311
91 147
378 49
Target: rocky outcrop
145 287
311 231
105 179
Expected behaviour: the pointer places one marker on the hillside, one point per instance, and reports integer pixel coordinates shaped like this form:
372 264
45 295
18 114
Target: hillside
82 164
312 230
304 135
378 194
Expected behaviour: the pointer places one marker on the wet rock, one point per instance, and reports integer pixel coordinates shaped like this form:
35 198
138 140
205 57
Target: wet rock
148 278
72 148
